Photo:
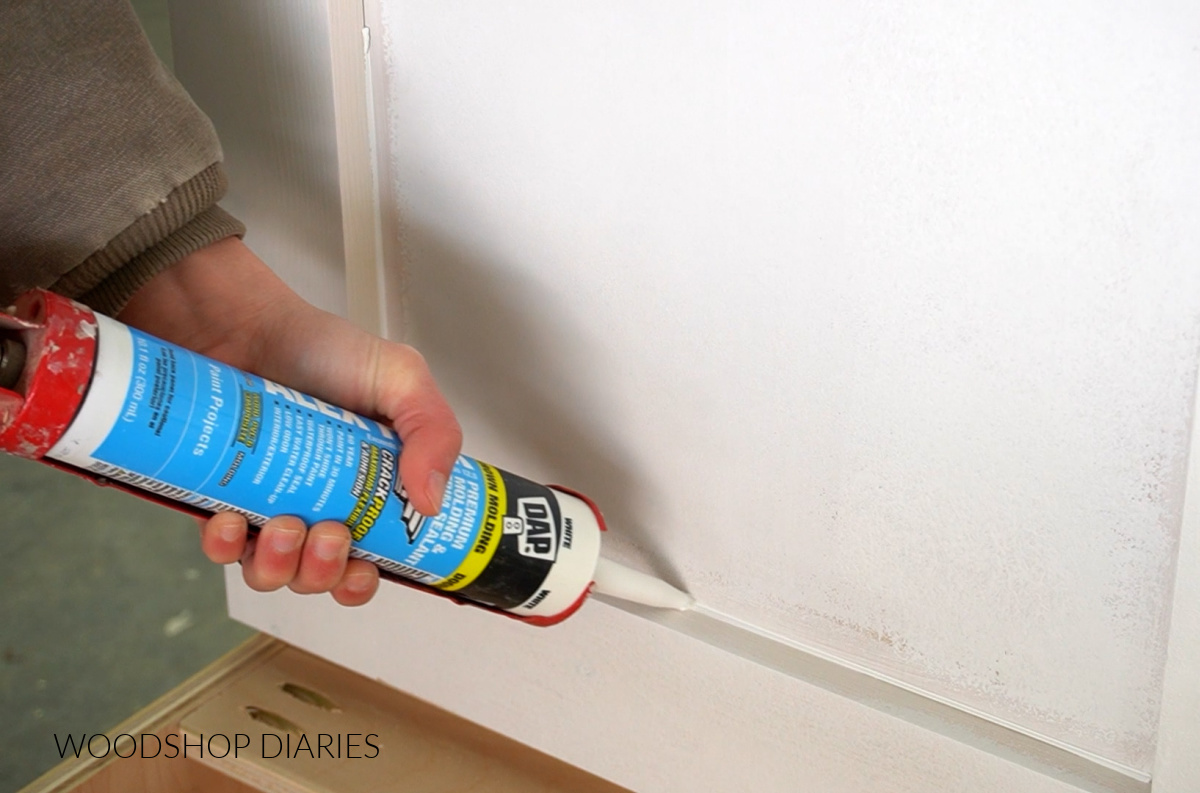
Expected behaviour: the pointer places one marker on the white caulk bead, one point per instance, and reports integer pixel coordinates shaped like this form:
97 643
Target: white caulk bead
619 581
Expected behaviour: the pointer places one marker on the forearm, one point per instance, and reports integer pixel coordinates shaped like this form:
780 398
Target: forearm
110 172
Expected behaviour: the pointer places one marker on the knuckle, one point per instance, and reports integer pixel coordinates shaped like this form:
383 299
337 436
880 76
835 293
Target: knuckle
450 426
302 587
255 581
410 357
319 574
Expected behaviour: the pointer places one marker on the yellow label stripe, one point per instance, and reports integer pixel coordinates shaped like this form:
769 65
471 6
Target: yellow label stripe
490 532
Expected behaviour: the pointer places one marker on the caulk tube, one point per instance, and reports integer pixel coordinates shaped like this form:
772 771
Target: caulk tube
196 431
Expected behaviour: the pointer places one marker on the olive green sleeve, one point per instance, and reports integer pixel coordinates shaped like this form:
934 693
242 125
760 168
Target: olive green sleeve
110 172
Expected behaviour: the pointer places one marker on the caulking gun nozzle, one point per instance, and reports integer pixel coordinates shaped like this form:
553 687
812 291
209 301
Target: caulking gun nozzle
619 581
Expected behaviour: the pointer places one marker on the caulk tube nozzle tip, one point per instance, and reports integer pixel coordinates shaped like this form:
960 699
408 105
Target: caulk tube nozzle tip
619 581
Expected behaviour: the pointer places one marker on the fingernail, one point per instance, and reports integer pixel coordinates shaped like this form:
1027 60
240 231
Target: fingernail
360 582
330 548
286 540
231 530
436 489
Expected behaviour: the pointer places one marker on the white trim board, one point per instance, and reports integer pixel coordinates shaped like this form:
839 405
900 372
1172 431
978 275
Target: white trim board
785 717
868 687
391 274
1177 760
263 72
349 43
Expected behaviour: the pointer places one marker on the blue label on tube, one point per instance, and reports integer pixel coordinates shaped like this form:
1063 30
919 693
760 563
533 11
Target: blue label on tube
208 434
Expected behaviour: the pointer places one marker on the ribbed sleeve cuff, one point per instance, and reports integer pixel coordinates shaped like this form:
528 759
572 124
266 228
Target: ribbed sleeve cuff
185 222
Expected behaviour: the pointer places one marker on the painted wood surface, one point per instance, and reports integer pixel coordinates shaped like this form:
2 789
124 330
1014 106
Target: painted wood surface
874 327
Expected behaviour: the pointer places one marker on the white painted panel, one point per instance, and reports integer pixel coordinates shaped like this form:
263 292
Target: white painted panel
874 326
262 73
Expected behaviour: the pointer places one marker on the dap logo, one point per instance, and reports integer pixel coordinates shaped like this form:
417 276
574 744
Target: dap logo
534 526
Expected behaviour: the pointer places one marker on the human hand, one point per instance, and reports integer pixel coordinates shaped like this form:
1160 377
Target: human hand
223 302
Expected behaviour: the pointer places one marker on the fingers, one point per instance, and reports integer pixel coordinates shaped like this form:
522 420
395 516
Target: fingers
430 433
426 459
323 560
223 538
271 559
358 585
285 553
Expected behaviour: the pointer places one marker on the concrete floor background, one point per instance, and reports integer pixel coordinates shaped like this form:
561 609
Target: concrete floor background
107 601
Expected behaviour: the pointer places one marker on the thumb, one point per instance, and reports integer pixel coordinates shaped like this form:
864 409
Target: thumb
430 435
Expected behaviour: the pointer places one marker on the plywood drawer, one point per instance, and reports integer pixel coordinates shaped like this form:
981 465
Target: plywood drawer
268 716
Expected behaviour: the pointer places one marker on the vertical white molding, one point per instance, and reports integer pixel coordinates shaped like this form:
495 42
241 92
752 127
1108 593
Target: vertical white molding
1177 759
353 123
262 73
390 273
